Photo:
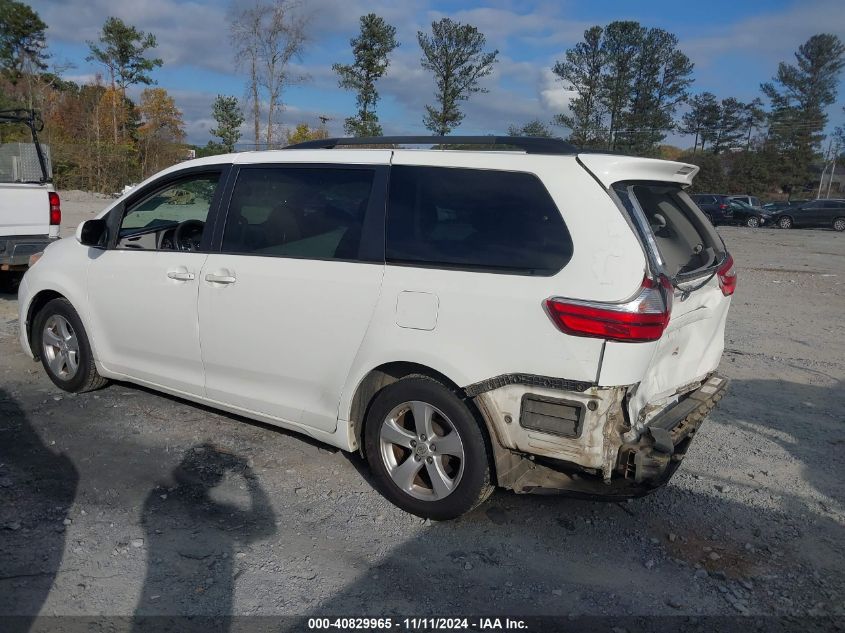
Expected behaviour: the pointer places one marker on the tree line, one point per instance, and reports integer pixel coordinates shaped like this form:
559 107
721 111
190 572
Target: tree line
632 86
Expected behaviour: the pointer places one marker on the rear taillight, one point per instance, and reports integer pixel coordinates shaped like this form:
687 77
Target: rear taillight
727 276
723 206
55 209
643 318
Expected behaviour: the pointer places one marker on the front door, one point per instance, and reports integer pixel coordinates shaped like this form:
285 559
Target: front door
285 305
143 289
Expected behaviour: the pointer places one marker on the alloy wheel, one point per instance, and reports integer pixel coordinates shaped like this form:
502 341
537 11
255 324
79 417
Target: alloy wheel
60 347
421 450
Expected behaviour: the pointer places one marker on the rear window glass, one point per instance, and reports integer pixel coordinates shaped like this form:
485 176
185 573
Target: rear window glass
476 220
684 239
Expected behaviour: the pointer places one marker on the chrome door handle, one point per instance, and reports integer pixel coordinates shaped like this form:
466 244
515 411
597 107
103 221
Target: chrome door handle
179 275
220 279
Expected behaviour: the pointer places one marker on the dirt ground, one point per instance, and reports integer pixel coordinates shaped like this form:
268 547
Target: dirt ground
108 499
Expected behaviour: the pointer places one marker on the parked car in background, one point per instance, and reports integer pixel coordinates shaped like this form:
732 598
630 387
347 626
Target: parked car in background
444 312
779 205
816 213
747 215
752 201
717 207
724 209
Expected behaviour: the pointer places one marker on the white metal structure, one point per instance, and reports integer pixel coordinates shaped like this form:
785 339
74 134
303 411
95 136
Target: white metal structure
454 351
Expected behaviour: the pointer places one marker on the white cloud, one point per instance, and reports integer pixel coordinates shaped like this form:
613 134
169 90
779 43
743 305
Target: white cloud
553 94
772 36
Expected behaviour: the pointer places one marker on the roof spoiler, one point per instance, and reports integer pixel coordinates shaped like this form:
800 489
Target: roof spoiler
609 169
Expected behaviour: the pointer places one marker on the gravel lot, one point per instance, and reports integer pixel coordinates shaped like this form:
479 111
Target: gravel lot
110 500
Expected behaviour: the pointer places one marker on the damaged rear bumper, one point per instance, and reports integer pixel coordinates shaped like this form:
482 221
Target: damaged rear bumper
634 462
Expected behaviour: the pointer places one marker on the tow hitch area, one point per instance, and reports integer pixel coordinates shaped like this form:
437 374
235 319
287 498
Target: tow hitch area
656 455
641 466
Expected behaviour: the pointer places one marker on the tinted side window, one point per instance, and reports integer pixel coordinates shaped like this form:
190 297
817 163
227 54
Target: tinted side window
474 219
309 212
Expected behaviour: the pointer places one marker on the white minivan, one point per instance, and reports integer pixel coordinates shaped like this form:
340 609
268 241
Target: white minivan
536 318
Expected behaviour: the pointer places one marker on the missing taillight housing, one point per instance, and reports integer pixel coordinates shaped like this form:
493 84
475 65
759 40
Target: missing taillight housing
727 276
644 318
55 209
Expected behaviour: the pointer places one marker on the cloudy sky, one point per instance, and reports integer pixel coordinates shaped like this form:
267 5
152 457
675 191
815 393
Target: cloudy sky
735 45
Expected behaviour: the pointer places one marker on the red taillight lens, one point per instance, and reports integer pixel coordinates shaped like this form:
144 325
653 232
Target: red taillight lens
642 319
727 276
55 209
723 206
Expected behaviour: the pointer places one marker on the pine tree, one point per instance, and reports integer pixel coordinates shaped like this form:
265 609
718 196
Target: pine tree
454 53
229 117
702 118
799 95
581 73
371 50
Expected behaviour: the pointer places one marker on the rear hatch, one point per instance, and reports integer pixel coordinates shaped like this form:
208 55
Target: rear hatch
681 245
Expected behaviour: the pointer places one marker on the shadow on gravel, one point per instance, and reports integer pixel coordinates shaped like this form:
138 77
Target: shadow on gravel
9 283
193 538
809 420
37 488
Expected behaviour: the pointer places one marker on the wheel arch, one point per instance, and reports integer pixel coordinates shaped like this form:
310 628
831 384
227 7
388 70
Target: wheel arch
388 373
39 300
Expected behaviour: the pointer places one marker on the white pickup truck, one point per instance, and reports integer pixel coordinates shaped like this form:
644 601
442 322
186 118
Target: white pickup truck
30 212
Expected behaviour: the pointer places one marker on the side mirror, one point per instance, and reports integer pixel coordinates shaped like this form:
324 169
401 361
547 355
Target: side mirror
93 233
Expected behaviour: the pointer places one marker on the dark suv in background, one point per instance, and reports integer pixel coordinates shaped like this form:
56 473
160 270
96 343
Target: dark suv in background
721 209
815 213
716 207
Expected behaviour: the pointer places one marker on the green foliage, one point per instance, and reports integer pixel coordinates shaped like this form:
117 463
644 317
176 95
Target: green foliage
628 81
712 177
532 128
582 72
661 76
454 53
121 50
303 132
23 45
752 172
227 112
799 95
702 119
371 50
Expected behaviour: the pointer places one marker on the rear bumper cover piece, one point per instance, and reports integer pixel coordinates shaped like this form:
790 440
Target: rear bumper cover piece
641 466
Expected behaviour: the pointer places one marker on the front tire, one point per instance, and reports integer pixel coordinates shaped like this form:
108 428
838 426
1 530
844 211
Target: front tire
839 224
785 222
752 222
427 450
64 349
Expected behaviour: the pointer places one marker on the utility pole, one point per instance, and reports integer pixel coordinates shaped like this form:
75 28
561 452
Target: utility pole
830 178
824 170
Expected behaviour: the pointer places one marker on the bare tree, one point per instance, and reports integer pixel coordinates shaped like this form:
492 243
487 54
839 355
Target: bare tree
245 31
268 36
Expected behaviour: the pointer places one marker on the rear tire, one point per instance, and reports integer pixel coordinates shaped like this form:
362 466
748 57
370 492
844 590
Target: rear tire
785 222
839 224
62 344
427 450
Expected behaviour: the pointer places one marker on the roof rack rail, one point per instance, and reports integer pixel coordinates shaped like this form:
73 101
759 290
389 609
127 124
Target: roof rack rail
529 144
